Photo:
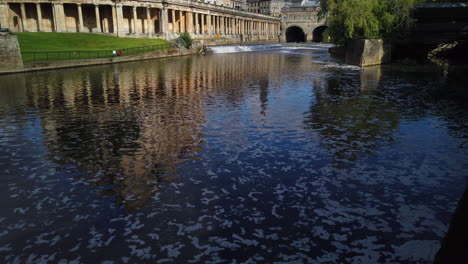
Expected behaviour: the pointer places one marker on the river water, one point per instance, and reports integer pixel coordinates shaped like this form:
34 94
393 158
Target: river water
283 156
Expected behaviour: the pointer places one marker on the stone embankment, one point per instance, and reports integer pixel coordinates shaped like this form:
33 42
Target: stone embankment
10 54
11 61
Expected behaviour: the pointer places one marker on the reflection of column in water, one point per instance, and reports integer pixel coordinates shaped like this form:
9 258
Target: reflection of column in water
370 77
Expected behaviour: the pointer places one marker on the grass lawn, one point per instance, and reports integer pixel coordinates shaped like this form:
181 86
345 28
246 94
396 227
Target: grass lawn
75 43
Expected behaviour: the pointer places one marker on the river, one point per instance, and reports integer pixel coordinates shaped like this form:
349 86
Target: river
283 155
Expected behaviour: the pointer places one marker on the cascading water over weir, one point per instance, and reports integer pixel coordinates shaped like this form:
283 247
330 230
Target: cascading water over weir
261 47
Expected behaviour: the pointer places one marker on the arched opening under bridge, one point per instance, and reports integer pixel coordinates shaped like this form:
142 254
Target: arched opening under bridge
295 34
317 34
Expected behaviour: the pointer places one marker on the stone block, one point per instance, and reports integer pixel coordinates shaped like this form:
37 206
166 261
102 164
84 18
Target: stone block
10 53
367 52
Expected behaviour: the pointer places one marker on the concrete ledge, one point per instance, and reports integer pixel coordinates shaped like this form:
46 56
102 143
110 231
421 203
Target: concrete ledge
40 66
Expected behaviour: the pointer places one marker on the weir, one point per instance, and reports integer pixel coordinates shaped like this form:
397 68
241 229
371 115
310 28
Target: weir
260 47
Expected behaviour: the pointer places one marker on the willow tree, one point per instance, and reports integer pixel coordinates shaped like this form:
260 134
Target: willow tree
356 19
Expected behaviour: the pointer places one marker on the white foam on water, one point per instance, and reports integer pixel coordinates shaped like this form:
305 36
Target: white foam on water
260 47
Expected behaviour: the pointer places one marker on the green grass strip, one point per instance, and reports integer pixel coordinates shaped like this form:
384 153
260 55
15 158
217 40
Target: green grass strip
78 45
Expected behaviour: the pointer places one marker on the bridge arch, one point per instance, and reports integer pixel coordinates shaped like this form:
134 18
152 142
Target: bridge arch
295 34
317 33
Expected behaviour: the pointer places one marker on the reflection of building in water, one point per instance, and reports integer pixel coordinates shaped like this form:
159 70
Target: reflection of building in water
129 126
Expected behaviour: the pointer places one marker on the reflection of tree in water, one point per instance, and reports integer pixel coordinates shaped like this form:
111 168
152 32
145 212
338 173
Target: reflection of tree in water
351 122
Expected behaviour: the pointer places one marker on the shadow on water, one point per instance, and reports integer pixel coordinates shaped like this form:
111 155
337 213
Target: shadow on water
455 243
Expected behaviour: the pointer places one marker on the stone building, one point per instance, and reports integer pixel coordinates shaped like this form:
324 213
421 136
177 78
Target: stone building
301 22
266 7
154 18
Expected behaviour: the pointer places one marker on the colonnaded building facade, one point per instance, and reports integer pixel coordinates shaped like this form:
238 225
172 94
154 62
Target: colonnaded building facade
150 18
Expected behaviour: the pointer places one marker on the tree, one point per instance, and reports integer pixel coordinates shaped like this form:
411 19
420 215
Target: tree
356 19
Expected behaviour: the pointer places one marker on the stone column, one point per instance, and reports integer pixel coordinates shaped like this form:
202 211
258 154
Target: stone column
80 18
173 22
208 23
163 20
222 25
190 22
114 20
182 21
59 17
197 27
23 17
98 19
134 19
148 21
118 25
39 17
241 26
4 15
233 25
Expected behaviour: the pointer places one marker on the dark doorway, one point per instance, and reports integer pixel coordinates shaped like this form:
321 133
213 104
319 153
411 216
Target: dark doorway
295 34
318 34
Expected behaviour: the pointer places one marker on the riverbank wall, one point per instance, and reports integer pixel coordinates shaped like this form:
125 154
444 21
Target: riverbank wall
196 48
10 53
51 65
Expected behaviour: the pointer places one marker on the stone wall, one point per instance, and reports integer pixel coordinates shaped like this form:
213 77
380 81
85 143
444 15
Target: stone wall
10 54
367 52
39 66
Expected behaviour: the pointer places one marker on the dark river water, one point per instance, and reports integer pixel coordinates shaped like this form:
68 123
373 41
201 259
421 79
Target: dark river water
284 156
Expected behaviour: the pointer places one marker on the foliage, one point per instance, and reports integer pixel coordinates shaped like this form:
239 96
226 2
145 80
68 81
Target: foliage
326 38
185 40
355 19
42 42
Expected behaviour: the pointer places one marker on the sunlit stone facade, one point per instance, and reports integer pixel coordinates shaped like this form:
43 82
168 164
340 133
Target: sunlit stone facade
165 19
266 7
303 17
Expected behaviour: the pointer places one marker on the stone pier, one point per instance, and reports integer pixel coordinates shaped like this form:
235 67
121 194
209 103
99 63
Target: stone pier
163 19
10 55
